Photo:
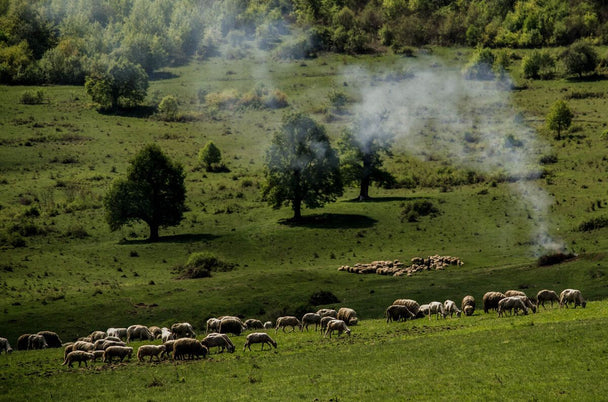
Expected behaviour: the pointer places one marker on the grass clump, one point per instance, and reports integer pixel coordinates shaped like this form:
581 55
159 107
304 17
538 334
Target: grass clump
593 224
412 212
32 97
201 264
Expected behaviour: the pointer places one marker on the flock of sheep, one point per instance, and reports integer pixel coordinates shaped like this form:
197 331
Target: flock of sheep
179 342
397 268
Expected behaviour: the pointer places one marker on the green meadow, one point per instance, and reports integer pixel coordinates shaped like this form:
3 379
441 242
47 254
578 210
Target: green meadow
62 269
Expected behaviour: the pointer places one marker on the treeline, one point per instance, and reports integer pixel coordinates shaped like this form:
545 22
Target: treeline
64 41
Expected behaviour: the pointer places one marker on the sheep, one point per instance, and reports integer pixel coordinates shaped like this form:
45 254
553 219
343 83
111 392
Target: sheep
348 315
546 295
51 338
337 325
468 305
221 341
436 308
252 323
513 303
397 312
155 331
120 333
106 344
140 332
324 321
309 319
22 341
288 321
510 293
98 354
36 341
268 325
85 339
150 350
96 335
259 337
213 325
78 356
5 346
166 334
231 325
528 303
84 346
188 348
423 311
327 312
490 300
168 348
572 296
450 308
183 330
412 305
117 351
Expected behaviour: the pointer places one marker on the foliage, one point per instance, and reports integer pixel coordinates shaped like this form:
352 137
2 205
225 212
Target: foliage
168 108
322 297
201 264
31 97
559 117
153 192
580 58
596 223
301 167
210 157
538 65
480 65
413 211
122 83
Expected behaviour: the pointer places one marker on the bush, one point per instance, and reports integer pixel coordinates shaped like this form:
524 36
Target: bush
580 58
31 97
168 108
593 224
210 157
480 65
538 65
201 264
415 210
322 297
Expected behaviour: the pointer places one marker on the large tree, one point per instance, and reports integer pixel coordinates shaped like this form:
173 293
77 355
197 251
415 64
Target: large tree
301 167
362 149
153 192
121 82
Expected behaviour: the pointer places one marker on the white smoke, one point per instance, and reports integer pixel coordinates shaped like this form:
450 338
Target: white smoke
473 124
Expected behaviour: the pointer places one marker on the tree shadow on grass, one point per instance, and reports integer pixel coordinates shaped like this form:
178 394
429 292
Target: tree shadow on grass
162 75
180 238
331 221
141 111
379 199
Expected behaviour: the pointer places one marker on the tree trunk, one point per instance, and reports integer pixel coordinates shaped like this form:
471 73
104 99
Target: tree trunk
153 233
297 210
364 191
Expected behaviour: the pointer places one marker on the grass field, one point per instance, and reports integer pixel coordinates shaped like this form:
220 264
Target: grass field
62 269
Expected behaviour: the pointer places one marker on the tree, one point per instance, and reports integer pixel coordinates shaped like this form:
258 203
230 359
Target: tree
580 58
559 117
168 108
210 156
361 156
153 192
480 65
301 167
121 83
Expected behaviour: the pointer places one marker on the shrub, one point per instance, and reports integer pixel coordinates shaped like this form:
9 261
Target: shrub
322 297
480 65
168 108
580 58
31 97
593 224
548 159
415 210
538 65
210 157
604 135
201 264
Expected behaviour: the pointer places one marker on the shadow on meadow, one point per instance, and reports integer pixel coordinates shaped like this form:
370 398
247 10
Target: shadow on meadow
141 111
179 238
331 221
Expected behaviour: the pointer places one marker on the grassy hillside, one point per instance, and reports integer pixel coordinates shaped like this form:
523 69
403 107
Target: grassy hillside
62 269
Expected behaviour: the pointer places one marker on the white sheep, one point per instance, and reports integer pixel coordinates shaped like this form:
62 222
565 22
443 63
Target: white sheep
327 312
572 296
213 325
412 305
84 346
166 334
288 321
436 308
117 332
513 304
268 325
510 293
337 325
188 348
252 323
78 356
491 299
546 295
424 310
323 323
310 319
450 308
5 346
96 335
468 305
140 332
231 325
528 303
221 341
183 330
348 315
36 341
259 337
117 351
150 350
397 312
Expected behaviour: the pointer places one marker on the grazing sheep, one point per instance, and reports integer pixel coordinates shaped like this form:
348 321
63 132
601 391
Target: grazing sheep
337 325
213 325
259 337
155 331
572 296
51 338
106 344
113 339
221 341
96 335
328 312
36 341
490 301
546 295
22 341
288 321
324 321
252 323
412 305
84 346
120 333
268 325
117 351
528 303
68 348
348 315
166 334
511 293
468 305
436 308
513 304
188 348
78 356
168 348
183 330
423 311
450 308
85 339
98 354
398 312
5 346
140 332
150 350
231 325
310 319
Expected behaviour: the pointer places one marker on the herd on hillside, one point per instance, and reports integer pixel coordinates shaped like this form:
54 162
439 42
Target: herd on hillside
179 342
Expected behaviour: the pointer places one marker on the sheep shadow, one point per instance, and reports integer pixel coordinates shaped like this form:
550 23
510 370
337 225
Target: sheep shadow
179 238
331 221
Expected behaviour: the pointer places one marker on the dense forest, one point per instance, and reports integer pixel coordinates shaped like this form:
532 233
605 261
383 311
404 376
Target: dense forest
64 41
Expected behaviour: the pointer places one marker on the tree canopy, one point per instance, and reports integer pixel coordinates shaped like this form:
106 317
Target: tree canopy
153 192
301 167
559 117
121 83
